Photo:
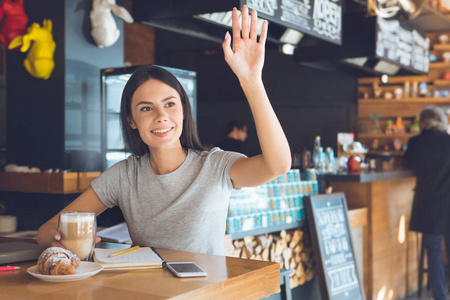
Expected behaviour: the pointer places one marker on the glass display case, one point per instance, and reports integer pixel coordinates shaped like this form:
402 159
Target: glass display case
113 81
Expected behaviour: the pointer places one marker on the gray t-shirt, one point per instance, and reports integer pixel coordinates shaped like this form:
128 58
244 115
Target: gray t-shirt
183 210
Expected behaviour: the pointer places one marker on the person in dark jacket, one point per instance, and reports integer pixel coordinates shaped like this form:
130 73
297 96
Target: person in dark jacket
428 156
236 136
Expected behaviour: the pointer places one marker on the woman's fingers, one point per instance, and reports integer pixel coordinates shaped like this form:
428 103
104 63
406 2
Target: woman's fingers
248 31
263 36
97 239
236 31
55 234
244 17
254 25
57 244
226 46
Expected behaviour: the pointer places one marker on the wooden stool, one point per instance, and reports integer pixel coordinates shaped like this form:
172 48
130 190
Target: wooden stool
285 285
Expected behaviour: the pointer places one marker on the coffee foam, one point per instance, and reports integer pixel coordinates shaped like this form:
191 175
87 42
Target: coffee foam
76 217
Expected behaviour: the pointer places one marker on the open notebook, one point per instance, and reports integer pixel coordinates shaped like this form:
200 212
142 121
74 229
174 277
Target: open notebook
141 258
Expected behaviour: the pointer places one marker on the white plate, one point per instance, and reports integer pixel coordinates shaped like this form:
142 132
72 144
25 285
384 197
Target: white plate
84 271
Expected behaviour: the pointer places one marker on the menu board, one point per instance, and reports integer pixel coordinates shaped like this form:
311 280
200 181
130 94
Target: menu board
320 18
400 43
330 234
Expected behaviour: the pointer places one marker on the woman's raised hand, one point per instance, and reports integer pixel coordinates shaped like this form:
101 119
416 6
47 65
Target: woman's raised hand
246 56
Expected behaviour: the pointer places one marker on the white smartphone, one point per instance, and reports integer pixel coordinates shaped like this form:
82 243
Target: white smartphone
185 269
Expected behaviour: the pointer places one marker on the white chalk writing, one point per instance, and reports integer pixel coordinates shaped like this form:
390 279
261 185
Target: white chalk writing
265 6
327 17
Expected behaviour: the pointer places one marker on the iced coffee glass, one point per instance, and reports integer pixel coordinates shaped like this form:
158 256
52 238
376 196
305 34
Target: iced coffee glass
78 232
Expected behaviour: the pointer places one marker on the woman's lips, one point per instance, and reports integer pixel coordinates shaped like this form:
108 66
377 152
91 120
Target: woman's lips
162 132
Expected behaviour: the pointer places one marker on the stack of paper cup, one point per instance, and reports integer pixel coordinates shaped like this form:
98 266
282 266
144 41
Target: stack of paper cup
8 224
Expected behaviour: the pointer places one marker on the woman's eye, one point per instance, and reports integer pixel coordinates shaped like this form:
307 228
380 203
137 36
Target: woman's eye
170 104
146 108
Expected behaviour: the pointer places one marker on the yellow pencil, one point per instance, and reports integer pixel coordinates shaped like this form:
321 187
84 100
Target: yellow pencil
124 251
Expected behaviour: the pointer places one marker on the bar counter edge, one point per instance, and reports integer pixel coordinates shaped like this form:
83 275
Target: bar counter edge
368 176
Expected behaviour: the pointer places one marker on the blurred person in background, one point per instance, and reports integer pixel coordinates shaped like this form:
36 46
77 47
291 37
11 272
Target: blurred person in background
236 136
428 156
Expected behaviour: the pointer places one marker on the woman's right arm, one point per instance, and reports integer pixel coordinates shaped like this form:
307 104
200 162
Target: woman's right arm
48 234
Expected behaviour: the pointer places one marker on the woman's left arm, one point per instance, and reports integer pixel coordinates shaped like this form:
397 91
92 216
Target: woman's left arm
246 59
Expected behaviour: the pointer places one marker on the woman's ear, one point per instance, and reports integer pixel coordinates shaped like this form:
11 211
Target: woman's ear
131 123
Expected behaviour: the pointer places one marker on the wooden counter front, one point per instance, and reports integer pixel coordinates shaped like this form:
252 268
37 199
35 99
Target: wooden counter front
390 264
228 278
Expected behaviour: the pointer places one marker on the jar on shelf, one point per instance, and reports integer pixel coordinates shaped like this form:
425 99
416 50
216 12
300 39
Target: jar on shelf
376 90
398 93
407 89
423 89
415 89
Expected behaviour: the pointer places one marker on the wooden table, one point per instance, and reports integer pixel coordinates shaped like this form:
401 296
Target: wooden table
228 278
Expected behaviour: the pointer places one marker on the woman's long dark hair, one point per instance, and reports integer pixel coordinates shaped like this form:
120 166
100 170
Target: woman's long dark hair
133 141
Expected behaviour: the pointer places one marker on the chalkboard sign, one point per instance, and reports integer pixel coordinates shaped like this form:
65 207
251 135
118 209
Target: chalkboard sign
320 18
330 234
398 42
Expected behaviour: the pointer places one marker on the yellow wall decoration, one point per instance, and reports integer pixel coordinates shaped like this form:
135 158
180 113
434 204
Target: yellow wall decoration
39 61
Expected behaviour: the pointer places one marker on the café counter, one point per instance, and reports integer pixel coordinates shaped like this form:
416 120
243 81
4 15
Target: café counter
228 278
390 250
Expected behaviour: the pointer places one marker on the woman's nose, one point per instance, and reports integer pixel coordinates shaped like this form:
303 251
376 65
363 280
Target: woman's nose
161 116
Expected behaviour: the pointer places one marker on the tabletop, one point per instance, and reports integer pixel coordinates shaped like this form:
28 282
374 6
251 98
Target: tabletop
228 278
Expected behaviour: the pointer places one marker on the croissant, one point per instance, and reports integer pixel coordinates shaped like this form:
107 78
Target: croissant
57 261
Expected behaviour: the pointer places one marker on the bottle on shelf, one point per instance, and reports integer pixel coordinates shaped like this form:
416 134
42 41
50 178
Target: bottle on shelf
306 160
321 166
331 163
315 154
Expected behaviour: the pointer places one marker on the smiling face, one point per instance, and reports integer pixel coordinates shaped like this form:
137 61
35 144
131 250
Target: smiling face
157 113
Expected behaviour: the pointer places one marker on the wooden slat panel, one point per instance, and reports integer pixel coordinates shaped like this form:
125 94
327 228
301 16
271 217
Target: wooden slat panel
391 199
387 262
390 109
358 216
139 40
414 243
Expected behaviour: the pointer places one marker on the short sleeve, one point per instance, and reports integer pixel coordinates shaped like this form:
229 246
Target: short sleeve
107 185
223 161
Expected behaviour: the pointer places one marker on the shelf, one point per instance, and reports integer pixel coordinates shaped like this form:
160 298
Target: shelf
392 80
441 83
441 47
385 136
270 229
439 65
49 183
392 152
427 100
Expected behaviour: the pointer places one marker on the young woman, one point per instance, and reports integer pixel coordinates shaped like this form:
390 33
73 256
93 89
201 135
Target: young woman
171 192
